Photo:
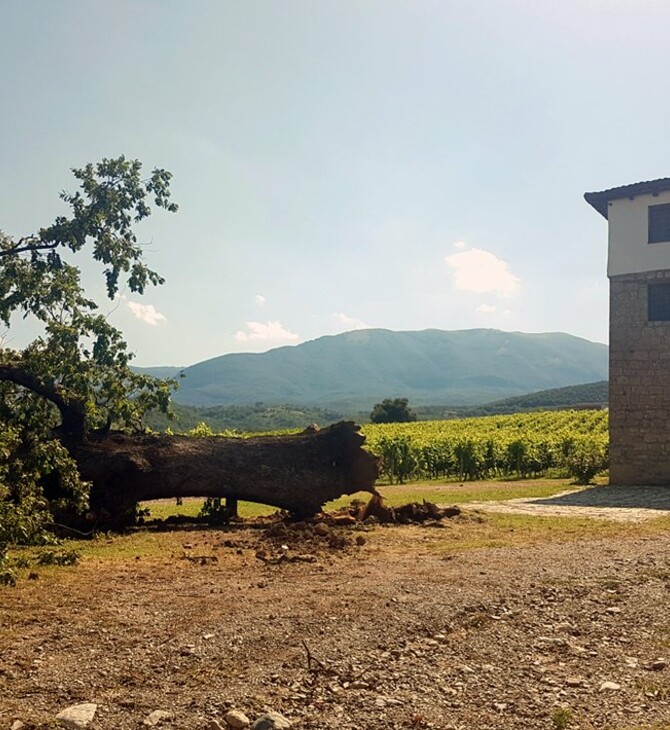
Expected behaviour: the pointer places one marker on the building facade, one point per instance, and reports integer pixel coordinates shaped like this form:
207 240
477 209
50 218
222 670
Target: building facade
639 372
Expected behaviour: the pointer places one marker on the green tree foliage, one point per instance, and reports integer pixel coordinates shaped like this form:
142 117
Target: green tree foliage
392 410
73 380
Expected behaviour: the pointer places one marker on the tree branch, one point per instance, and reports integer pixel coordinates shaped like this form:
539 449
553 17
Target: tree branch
72 411
28 243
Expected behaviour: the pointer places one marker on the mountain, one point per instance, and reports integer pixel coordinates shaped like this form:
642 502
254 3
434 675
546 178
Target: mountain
262 417
356 369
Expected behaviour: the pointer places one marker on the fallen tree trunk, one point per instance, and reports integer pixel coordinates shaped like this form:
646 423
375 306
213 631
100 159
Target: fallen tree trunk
298 472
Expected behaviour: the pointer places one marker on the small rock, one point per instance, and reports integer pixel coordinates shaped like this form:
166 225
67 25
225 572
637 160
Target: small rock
77 716
609 686
657 665
207 637
156 717
18 725
631 661
360 540
321 529
271 721
613 609
303 558
574 681
237 719
214 725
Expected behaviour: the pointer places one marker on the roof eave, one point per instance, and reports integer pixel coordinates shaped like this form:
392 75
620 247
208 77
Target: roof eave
599 201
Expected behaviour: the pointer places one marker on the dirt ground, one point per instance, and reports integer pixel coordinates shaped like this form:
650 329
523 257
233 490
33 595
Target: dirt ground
397 632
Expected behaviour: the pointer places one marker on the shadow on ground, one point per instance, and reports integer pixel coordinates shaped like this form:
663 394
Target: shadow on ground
611 497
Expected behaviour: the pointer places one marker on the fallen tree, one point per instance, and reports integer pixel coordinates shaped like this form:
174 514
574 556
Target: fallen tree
61 395
298 472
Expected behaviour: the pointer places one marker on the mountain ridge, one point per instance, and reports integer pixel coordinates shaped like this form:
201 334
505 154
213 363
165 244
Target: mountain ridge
356 369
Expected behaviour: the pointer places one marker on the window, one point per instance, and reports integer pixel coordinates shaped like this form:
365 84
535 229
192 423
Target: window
659 223
658 299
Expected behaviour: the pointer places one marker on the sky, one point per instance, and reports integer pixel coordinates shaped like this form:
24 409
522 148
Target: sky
406 164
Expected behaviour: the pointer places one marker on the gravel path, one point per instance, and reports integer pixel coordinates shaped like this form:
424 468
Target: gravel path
621 504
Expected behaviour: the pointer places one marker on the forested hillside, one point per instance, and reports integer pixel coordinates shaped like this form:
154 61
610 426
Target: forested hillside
263 417
354 370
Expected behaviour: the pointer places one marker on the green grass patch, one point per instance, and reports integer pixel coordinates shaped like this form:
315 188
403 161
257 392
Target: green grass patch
191 506
395 495
473 492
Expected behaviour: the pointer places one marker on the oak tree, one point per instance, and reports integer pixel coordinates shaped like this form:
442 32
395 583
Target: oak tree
392 410
74 379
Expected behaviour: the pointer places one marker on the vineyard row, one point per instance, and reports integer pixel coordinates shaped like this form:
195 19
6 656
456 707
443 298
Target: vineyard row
570 443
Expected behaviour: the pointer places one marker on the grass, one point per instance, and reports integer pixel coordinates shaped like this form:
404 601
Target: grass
561 718
395 495
472 531
493 530
473 491
498 530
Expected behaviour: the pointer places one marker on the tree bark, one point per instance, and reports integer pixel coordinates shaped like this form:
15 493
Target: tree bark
298 472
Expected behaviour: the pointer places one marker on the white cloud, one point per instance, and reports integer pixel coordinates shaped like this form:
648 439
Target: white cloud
269 331
350 323
481 271
487 308
460 244
260 300
146 312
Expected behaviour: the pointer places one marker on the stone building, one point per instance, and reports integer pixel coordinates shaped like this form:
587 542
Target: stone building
639 385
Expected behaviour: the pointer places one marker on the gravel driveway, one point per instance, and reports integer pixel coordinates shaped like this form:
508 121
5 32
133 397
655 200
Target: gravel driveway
622 504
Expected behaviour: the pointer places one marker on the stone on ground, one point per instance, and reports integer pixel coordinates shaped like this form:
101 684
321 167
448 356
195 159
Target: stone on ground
156 717
236 719
77 716
271 721
605 686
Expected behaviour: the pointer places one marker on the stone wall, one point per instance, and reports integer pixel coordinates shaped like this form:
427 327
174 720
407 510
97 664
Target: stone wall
639 390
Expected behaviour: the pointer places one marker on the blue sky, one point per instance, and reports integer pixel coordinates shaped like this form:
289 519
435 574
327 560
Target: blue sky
343 164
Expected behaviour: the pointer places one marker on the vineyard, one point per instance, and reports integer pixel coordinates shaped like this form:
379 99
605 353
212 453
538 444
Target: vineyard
525 445
565 443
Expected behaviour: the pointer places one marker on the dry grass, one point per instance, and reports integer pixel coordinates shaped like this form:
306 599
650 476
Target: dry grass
473 530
